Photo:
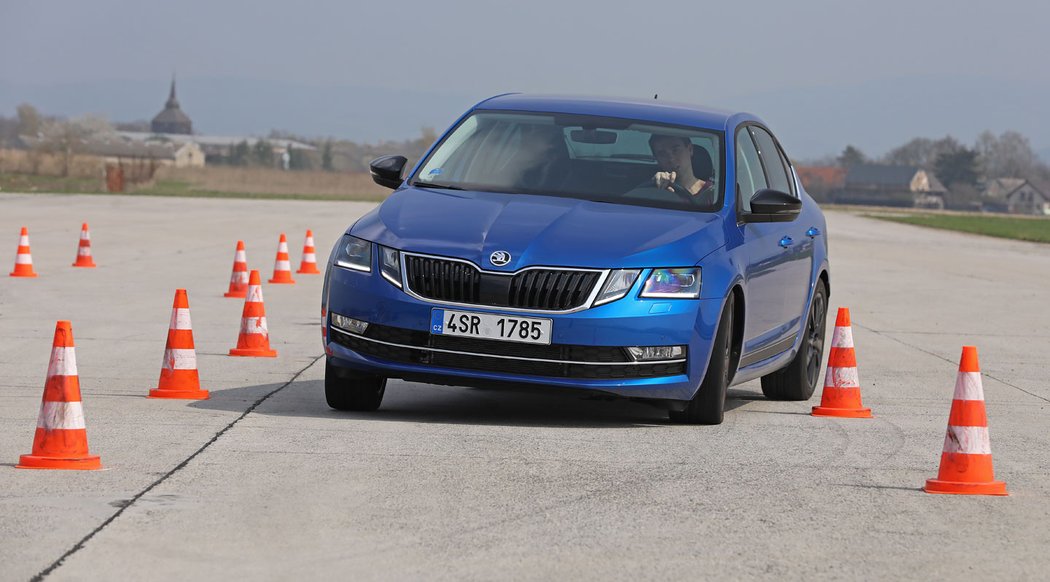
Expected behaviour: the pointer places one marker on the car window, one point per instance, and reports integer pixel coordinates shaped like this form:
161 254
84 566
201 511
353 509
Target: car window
578 156
776 171
749 175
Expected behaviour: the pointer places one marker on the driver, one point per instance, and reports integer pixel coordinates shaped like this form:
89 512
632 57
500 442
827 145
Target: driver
674 157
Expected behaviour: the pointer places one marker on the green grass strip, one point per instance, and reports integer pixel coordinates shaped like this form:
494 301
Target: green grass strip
1027 229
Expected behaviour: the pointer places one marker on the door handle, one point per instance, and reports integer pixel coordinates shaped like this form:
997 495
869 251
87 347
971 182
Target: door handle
786 242
813 232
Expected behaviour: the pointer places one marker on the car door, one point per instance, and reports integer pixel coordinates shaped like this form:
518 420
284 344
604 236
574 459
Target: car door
796 246
770 275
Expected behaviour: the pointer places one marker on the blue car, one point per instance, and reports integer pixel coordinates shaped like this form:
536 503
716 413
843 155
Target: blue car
643 249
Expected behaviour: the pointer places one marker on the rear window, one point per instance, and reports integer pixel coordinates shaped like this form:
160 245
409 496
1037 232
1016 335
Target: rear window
586 157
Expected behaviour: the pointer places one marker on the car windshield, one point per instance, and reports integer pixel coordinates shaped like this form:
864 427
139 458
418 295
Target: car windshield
602 159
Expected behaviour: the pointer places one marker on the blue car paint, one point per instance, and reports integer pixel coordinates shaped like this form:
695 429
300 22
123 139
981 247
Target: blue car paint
555 231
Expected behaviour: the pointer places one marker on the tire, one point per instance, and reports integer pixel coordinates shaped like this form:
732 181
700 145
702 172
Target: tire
352 390
798 379
709 403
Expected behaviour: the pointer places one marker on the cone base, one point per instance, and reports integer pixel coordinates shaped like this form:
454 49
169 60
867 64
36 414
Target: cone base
842 412
85 463
237 294
248 352
91 266
179 394
282 281
311 270
22 274
960 488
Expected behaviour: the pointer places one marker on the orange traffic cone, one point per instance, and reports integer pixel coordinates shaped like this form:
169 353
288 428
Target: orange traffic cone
282 268
84 249
61 435
239 277
23 260
178 372
308 266
841 396
254 339
966 459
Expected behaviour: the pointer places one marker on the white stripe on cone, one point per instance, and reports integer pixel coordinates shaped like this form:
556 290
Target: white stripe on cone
282 266
968 386
84 235
842 378
21 259
23 240
63 362
253 325
240 257
180 319
282 247
176 359
842 338
254 294
309 241
61 416
83 251
239 277
970 440
309 258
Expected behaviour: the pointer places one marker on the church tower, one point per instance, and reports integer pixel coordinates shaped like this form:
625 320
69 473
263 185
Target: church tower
172 119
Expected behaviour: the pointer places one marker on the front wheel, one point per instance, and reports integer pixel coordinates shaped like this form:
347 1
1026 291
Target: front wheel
709 402
352 390
798 379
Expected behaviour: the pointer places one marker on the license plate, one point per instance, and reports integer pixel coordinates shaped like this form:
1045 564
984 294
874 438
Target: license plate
509 328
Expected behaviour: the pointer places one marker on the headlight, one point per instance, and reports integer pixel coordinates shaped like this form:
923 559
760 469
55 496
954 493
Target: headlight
673 283
390 265
617 285
354 253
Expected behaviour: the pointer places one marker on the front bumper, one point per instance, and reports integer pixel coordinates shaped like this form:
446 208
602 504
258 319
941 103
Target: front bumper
585 353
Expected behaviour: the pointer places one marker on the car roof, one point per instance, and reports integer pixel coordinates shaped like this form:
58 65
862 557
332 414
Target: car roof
652 110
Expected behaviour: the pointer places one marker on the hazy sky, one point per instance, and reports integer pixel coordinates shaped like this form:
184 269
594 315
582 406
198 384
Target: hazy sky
727 53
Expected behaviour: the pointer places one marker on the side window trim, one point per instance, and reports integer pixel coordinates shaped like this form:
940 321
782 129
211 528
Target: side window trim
745 129
789 171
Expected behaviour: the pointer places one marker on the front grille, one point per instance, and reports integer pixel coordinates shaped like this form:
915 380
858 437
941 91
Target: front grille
541 289
414 350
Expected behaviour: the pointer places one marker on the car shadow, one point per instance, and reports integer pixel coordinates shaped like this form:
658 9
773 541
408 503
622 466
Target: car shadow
427 403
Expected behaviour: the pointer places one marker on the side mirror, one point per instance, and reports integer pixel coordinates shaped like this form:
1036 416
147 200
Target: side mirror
386 171
770 205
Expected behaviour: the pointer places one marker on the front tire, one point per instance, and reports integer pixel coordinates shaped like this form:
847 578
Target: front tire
798 379
709 403
351 390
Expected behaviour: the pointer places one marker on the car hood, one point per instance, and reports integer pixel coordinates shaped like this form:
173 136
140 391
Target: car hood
539 230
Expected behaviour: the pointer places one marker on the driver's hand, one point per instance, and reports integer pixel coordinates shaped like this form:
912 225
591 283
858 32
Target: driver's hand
665 180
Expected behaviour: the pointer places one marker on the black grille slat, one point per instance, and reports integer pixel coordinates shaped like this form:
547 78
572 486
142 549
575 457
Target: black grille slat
454 281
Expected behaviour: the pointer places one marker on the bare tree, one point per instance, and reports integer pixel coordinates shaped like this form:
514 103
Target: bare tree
1009 155
65 138
922 152
28 120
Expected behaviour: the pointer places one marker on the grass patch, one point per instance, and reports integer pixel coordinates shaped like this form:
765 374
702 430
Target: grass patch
10 182
1033 229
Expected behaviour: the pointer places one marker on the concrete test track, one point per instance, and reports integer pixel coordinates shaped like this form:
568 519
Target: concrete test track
264 481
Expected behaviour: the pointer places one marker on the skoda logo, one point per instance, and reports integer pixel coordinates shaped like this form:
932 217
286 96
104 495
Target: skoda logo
499 258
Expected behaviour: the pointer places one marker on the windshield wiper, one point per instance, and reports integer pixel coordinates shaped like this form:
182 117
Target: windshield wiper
435 185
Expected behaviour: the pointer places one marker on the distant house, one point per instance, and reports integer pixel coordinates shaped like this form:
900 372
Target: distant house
1016 196
216 145
821 181
115 149
885 185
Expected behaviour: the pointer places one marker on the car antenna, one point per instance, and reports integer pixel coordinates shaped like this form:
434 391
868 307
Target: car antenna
655 95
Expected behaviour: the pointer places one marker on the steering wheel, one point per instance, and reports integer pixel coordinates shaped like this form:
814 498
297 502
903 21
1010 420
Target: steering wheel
683 192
